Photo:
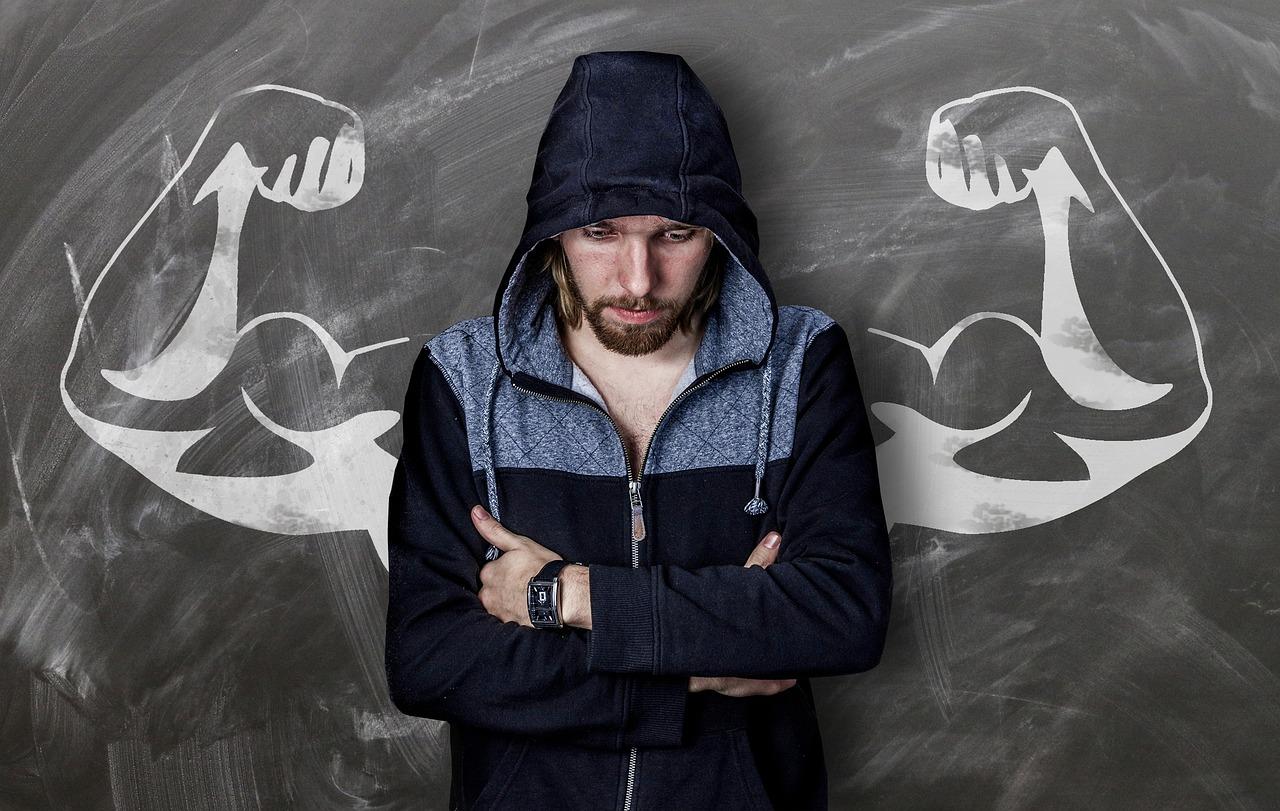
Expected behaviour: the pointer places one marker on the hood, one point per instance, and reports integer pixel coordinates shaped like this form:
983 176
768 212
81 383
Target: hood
634 132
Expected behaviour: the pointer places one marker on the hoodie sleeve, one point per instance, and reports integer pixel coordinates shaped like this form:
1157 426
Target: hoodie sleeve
449 658
820 609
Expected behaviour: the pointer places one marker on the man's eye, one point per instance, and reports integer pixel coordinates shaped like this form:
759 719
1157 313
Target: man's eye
595 233
680 236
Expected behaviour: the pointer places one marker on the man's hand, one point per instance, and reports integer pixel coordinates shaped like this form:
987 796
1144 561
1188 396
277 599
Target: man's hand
504 582
766 552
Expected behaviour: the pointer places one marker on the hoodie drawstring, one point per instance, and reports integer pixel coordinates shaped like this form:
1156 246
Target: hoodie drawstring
757 505
490 456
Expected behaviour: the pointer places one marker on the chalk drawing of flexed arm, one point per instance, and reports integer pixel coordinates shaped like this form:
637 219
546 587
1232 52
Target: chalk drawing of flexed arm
924 484
344 487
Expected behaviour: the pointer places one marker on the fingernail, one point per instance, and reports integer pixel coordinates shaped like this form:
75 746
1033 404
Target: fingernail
772 540
480 512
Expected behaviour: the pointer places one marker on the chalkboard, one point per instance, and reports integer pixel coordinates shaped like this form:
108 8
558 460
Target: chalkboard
1050 231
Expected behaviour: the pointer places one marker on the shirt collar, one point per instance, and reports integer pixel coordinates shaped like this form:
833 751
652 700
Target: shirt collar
582 384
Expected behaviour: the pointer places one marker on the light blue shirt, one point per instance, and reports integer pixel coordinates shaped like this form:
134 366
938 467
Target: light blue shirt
582 384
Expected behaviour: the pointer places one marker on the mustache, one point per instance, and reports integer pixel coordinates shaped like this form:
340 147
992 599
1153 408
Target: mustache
634 304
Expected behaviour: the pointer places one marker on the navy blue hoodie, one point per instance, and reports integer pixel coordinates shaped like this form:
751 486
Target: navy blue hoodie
771 434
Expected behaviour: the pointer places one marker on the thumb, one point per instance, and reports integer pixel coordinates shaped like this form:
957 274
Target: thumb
766 551
493 530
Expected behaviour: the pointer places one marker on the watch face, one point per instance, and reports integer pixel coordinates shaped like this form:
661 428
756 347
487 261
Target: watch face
542 608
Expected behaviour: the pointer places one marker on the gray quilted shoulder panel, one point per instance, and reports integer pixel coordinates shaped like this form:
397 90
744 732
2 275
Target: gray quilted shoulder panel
717 424
528 430
711 425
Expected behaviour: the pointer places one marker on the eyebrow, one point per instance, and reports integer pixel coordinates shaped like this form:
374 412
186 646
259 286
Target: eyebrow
670 224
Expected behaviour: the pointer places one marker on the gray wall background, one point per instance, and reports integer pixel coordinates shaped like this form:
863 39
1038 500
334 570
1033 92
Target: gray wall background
1123 656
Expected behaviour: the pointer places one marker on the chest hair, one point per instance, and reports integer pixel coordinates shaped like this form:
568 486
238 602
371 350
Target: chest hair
637 414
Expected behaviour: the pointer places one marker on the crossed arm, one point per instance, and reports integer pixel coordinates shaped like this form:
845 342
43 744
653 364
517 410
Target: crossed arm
504 588
820 609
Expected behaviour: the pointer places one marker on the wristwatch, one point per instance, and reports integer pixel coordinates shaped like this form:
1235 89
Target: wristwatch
544 595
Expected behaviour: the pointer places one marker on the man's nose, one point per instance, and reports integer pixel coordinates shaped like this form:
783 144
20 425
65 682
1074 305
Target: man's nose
638 272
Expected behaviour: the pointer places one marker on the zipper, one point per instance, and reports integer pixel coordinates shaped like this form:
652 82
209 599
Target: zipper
637 505
672 404
637 518
631 778
633 482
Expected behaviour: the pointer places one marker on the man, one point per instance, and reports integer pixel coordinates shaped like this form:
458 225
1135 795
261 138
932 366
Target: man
638 417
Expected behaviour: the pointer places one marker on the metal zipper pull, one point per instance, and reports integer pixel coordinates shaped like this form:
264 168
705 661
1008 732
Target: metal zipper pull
637 511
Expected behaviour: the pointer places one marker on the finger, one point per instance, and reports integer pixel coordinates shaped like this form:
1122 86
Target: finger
977 160
764 554
933 151
345 174
949 158
492 530
942 162
280 189
1007 192
311 168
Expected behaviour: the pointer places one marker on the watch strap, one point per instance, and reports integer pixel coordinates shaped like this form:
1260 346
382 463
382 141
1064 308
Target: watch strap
551 569
547 578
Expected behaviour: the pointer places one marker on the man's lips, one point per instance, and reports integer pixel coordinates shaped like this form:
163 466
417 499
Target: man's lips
635 316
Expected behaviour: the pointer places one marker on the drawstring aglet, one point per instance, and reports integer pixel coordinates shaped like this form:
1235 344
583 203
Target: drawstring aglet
757 505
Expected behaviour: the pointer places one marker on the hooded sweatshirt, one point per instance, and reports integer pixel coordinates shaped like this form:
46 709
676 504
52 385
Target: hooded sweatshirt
767 431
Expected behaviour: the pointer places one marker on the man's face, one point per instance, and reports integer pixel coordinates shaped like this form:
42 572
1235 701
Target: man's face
634 277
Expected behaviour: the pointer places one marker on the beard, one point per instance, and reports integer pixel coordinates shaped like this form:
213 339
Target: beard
631 339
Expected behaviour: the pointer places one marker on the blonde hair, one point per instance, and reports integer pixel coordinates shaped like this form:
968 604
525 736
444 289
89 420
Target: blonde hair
704 297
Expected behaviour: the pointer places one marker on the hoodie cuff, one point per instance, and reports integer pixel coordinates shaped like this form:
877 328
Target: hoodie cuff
622 623
658 706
